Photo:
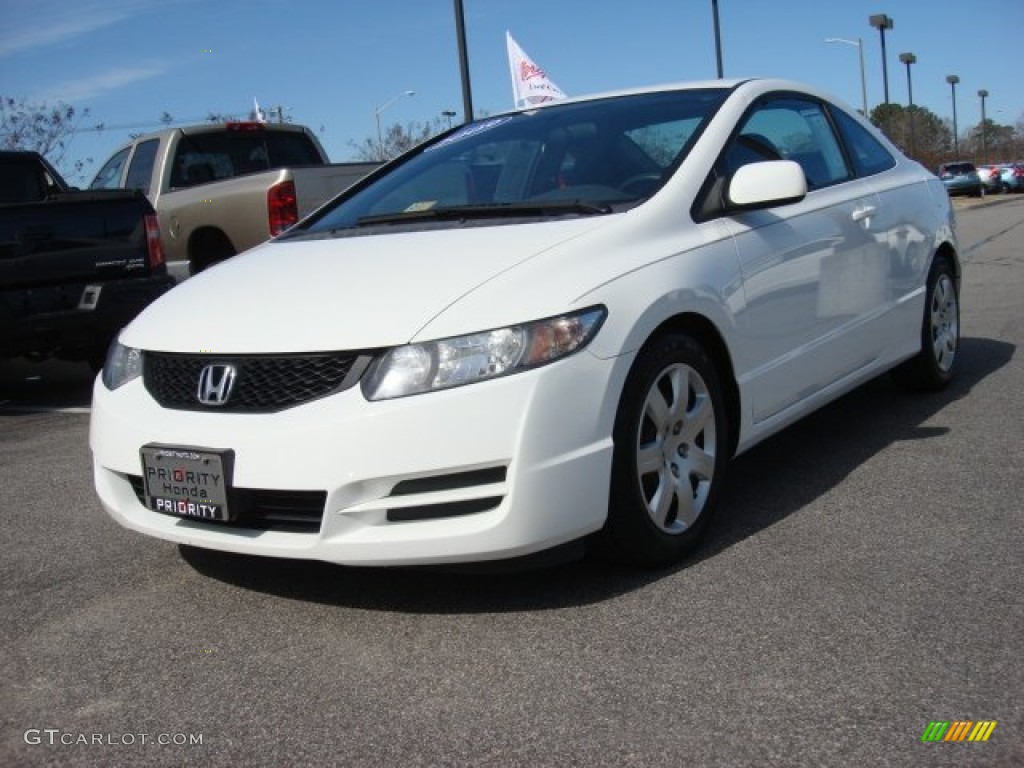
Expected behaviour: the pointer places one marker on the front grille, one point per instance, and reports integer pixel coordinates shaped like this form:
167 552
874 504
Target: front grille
263 383
259 508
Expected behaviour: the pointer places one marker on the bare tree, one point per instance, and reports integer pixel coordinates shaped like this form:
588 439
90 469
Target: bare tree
45 128
220 117
396 139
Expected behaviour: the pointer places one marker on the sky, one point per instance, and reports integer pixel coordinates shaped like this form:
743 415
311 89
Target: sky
333 65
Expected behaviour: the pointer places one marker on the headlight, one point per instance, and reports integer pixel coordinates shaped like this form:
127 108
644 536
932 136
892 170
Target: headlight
123 364
432 365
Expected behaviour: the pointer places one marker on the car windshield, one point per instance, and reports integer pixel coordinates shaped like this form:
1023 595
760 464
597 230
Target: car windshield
581 158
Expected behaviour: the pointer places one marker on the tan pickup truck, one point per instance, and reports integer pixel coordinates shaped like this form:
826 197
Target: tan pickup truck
220 188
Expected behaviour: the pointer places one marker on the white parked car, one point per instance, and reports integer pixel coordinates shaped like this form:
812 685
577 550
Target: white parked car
542 326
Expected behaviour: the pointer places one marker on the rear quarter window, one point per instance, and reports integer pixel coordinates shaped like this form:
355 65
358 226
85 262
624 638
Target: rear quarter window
868 154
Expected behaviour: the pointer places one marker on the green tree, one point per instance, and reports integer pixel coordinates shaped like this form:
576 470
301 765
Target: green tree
919 132
990 142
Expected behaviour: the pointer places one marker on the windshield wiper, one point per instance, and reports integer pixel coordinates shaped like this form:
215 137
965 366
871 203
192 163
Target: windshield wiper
490 211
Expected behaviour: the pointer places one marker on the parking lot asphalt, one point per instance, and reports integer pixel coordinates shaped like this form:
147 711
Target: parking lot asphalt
863 580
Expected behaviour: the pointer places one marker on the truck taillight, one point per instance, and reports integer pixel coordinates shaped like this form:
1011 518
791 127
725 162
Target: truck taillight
282 207
154 245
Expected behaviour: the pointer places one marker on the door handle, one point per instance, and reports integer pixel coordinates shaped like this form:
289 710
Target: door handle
864 212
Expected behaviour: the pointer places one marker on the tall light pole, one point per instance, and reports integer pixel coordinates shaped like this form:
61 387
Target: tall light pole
908 59
953 80
984 138
863 79
718 37
882 22
376 114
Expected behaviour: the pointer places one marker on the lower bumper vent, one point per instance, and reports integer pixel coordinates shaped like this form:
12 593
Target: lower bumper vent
433 508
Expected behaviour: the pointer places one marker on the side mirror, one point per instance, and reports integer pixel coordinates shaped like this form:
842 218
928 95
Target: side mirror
765 185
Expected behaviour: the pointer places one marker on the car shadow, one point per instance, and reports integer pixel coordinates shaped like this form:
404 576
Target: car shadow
767 484
39 386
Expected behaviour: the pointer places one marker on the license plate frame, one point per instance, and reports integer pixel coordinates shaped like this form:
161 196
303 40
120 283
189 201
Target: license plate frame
190 483
90 297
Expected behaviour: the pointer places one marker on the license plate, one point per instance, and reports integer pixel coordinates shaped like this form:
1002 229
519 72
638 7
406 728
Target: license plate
188 482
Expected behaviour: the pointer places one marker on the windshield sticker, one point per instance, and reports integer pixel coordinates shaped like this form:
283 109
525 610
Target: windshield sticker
423 205
471 130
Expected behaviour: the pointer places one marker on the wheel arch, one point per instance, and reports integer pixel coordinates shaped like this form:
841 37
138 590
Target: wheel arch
710 338
948 252
206 246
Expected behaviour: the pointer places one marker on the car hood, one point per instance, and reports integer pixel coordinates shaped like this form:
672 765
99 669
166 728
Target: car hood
359 292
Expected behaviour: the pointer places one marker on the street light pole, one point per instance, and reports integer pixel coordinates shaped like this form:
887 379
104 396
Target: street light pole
467 89
863 79
376 114
718 37
984 138
908 59
882 22
953 80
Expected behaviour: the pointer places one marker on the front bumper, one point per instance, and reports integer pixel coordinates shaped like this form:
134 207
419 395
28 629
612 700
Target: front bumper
487 471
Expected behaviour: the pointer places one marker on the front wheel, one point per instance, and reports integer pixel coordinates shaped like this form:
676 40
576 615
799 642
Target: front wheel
933 366
671 451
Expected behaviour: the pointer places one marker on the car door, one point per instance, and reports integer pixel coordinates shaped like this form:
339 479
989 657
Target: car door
814 272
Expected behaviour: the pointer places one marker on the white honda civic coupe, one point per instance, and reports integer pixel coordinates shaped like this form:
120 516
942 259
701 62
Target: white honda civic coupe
541 327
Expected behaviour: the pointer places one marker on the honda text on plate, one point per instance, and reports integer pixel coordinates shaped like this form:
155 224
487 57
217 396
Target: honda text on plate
539 327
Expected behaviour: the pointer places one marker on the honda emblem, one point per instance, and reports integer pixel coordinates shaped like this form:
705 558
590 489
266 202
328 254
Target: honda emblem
215 383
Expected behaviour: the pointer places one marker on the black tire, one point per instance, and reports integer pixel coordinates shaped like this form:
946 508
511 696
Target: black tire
658 514
933 367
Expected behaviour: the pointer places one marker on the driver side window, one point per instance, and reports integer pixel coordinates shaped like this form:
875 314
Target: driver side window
793 129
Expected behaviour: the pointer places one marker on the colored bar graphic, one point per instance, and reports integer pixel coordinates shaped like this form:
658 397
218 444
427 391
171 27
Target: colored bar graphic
958 730
982 730
935 731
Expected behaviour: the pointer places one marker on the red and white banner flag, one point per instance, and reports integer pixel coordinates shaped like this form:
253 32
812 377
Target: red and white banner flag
530 83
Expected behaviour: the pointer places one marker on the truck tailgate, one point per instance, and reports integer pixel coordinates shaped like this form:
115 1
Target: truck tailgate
75 237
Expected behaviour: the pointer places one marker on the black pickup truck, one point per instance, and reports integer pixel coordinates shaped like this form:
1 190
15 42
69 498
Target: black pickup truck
74 266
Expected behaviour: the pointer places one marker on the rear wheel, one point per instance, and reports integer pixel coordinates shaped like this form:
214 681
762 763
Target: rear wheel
933 366
671 451
208 247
